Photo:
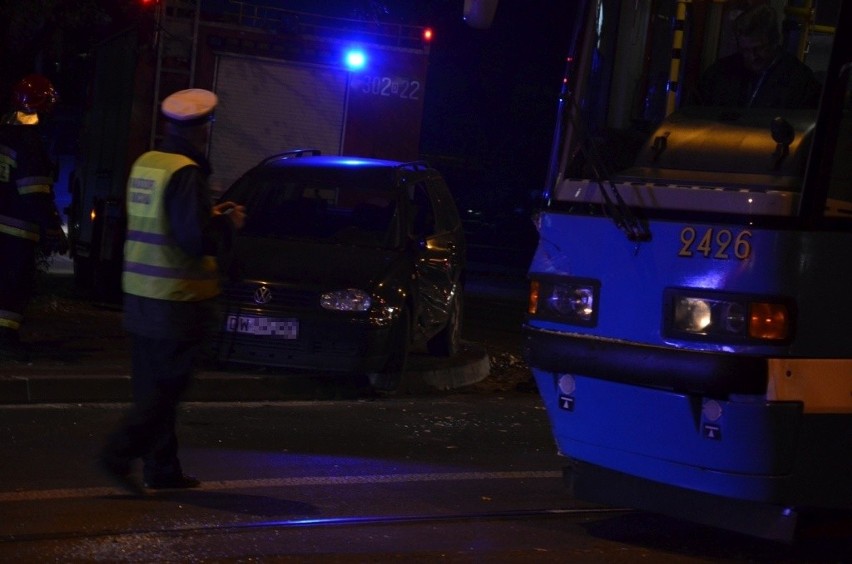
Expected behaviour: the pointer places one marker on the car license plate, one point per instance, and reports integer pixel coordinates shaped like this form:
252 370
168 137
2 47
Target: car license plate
252 325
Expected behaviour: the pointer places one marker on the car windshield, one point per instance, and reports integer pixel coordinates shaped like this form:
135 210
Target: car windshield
354 206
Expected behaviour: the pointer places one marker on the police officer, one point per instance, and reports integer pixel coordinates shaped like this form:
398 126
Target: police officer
28 214
170 282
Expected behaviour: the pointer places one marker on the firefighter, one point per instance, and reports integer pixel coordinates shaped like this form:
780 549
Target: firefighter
170 283
29 219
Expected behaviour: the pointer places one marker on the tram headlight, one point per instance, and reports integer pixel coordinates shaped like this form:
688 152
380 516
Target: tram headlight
720 316
569 300
693 315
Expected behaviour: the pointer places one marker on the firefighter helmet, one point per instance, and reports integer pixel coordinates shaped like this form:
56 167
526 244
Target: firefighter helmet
34 94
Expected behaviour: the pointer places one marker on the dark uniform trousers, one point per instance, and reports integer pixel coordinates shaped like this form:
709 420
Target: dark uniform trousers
162 371
17 280
27 207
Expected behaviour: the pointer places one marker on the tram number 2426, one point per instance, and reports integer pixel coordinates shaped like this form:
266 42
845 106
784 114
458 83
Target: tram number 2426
715 243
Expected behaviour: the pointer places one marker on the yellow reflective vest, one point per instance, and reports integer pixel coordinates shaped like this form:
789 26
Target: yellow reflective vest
154 266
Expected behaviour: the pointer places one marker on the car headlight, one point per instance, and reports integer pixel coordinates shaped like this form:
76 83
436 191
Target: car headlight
570 300
350 299
697 314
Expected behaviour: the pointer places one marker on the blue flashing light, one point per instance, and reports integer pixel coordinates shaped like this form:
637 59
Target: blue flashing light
355 59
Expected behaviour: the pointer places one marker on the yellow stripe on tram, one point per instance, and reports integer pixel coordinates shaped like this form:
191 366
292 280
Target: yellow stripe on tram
823 385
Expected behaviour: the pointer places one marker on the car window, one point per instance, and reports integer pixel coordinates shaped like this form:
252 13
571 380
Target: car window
349 206
447 217
423 213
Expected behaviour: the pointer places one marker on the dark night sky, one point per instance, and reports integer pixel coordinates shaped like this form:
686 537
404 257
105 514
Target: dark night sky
492 94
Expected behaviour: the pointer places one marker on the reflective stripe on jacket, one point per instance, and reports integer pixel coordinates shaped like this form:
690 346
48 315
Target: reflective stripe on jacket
19 228
10 319
154 266
35 185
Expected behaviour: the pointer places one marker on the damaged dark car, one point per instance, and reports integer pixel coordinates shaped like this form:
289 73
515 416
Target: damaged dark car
344 265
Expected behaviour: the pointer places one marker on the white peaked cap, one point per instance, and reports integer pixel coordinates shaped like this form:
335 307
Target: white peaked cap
189 105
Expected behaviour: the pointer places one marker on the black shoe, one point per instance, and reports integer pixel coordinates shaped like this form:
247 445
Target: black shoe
118 471
178 482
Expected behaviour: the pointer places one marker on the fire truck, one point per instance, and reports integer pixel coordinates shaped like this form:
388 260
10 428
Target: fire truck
285 79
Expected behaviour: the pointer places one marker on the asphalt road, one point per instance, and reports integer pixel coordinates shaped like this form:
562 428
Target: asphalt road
463 475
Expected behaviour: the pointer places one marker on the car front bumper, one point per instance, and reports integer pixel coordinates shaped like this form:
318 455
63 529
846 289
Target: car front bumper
346 347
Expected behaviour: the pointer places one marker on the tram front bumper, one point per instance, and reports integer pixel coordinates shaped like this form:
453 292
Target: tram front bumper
699 421
705 373
709 428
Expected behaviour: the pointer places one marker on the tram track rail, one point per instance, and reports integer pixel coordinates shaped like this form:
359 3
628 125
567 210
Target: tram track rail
316 523
8 539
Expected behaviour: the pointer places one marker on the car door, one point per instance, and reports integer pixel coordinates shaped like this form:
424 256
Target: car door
436 232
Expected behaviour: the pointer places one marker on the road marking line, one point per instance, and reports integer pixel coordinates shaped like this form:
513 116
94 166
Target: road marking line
296 481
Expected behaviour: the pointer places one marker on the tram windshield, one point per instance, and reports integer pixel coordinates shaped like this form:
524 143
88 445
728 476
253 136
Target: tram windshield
672 103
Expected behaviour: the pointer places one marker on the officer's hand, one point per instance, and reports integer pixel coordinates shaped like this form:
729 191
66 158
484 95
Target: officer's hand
235 212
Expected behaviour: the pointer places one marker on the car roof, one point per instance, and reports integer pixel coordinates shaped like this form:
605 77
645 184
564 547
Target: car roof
304 159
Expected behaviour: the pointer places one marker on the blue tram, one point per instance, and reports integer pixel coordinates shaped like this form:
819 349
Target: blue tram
688 323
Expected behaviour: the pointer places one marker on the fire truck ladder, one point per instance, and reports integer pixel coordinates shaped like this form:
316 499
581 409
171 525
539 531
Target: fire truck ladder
177 46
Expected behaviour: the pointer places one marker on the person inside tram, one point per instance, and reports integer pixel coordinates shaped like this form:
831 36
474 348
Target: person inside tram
761 74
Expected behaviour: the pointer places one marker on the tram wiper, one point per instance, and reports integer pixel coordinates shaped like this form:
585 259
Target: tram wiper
614 204
623 216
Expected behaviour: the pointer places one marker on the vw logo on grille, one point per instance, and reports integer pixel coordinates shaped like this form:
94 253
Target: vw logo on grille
262 295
